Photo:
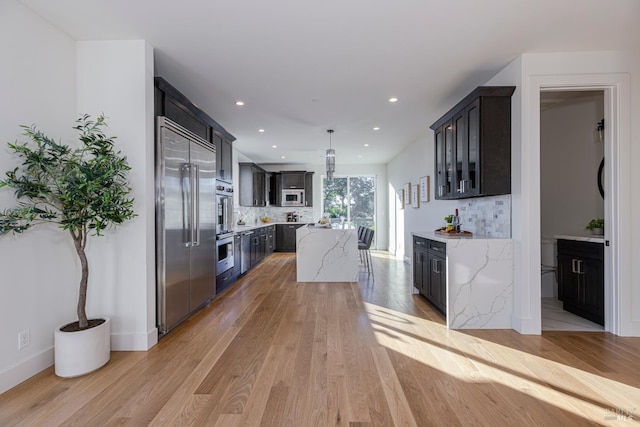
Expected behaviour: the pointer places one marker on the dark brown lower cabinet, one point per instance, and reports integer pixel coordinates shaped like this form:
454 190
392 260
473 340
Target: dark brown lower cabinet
581 278
286 237
430 271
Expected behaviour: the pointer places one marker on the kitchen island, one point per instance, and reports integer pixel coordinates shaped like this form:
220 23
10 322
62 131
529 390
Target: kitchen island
476 279
326 255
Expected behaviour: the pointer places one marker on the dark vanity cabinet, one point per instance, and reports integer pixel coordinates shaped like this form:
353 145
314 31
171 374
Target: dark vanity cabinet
430 271
252 185
472 145
171 103
581 278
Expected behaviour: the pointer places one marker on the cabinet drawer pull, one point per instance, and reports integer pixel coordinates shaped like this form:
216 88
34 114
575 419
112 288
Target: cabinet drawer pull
577 266
434 263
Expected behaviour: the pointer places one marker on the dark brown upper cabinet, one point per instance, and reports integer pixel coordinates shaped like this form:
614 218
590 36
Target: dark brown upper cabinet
472 145
293 180
171 103
252 185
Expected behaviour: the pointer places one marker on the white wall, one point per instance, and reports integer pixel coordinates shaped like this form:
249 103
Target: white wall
116 78
37 82
47 79
569 162
415 162
619 74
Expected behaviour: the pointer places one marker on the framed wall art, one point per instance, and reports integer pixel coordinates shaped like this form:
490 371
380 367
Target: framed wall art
407 193
425 185
400 198
415 190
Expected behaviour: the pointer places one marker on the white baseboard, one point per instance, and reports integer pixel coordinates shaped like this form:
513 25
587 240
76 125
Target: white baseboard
24 370
525 326
630 329
133 341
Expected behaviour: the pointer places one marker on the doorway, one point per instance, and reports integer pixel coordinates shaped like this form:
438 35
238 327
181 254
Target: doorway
572 149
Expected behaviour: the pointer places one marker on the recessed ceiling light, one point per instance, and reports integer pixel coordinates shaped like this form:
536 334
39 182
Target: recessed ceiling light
261 130
394 99
282 157
376 128
366 145
274 146
239 103
359 156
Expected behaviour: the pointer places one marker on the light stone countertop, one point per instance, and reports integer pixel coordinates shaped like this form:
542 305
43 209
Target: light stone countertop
582 238
442 238
241 228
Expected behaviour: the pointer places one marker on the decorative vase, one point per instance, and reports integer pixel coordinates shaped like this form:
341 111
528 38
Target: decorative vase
597 231
80 352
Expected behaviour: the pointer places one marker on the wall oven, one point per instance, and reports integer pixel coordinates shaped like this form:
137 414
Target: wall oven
224 254
224 228
224 209
292 197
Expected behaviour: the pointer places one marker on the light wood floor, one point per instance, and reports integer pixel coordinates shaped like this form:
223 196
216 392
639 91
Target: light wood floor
273 352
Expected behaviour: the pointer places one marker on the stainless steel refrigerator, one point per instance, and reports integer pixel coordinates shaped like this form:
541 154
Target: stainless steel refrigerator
185 223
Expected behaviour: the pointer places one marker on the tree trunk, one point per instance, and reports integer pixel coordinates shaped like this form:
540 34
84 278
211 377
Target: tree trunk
83 323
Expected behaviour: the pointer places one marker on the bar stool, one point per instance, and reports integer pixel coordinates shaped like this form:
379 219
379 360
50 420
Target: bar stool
364 246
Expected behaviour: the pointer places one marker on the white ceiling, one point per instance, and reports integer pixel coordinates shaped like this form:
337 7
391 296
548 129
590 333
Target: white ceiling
304 67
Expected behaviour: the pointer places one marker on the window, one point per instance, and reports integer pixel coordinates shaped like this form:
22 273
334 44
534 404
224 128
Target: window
350 201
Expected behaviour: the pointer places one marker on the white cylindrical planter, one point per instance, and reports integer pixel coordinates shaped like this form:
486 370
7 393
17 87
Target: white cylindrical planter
81 352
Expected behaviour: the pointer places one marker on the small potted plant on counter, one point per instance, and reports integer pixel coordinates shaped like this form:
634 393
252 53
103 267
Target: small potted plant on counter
84 191
596 226
449 221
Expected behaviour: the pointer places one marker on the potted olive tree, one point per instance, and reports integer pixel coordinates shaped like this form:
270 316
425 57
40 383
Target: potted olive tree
84 191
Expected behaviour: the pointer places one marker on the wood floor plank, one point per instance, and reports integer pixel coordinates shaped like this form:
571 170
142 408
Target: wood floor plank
397 400
178 408
273 352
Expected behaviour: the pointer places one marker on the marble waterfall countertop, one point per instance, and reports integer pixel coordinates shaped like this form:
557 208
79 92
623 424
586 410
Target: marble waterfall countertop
479 281
326 254
582 238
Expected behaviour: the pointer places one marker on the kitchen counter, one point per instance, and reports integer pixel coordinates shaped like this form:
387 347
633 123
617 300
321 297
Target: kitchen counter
242 228
582 238
445 239
479 281
326 254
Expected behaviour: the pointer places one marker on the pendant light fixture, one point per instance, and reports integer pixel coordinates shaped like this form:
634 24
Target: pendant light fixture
330 158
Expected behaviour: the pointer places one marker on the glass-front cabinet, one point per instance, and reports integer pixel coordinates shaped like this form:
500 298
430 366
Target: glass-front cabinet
473 145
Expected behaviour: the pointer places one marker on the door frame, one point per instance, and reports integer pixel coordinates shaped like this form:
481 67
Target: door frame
617 217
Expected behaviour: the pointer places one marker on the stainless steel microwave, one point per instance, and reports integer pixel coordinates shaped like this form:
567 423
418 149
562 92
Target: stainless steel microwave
292 197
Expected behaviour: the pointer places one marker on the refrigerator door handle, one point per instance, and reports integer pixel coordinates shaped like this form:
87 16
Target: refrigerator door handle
187 202
196 206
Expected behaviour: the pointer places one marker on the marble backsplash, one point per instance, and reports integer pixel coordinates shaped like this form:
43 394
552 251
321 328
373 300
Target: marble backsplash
487 216
251 216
